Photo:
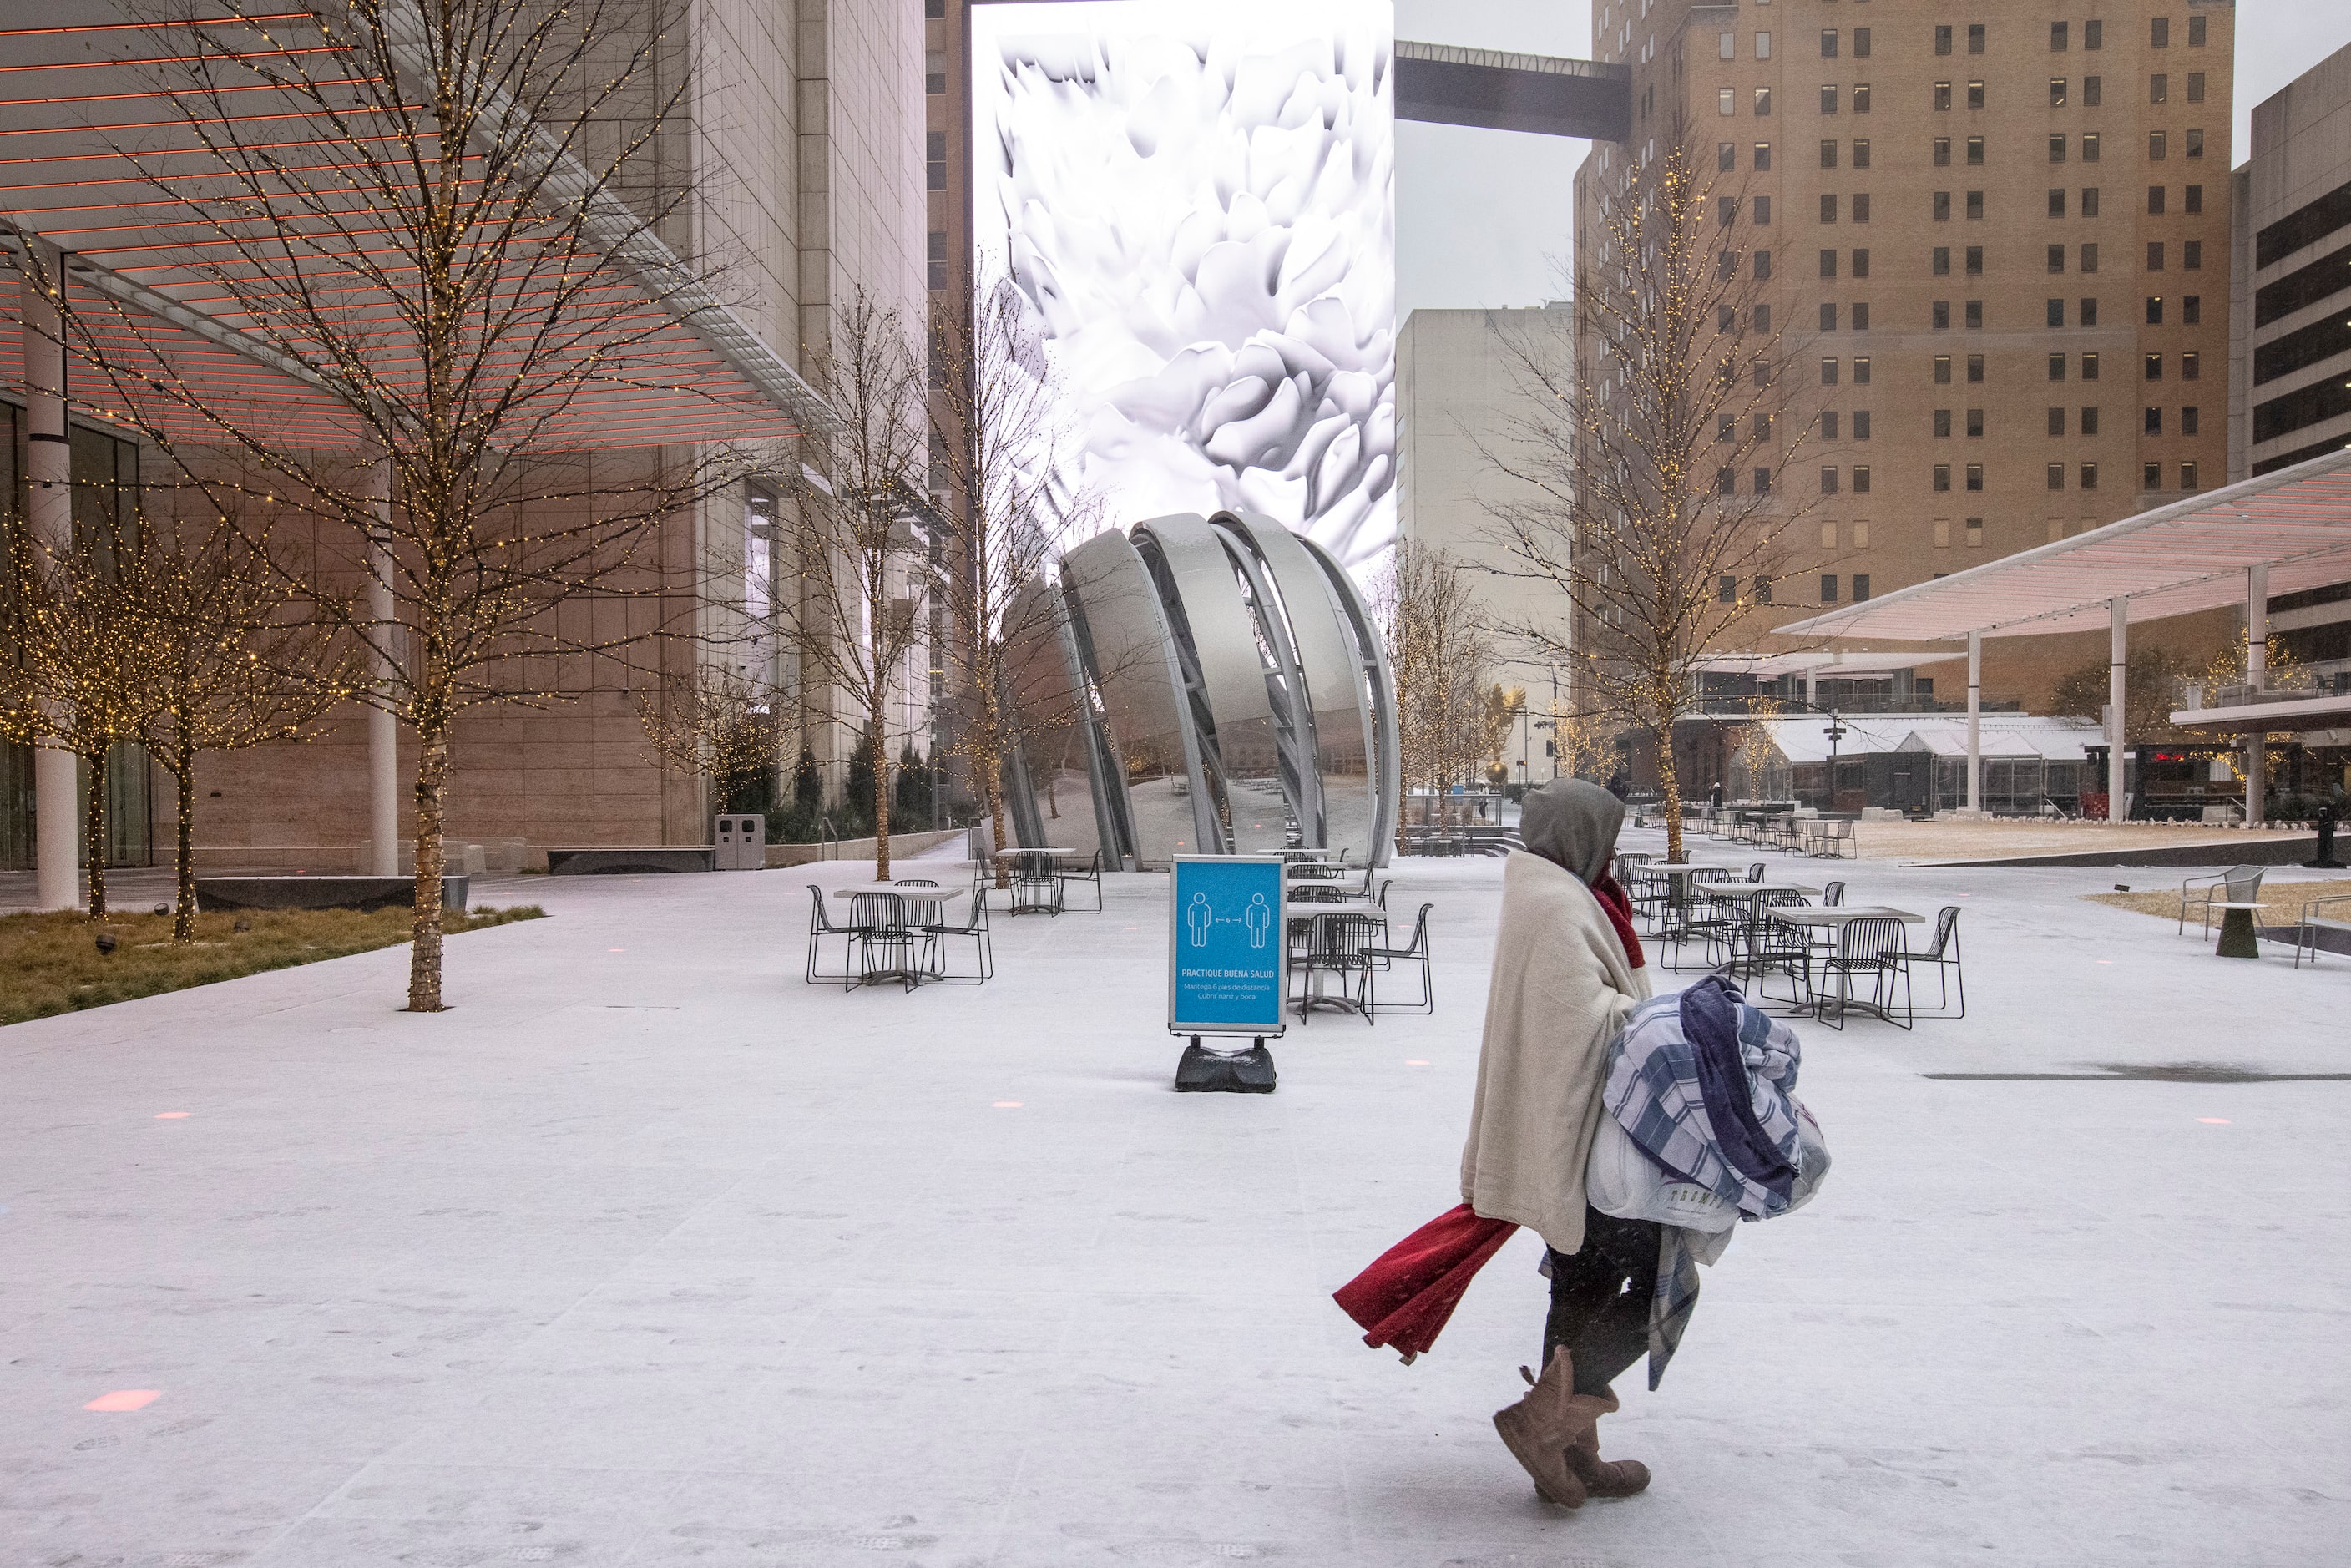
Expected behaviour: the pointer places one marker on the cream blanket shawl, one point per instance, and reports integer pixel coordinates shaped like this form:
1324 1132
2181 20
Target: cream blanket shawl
1560 991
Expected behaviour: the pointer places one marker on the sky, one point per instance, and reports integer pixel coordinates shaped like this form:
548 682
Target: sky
1483 216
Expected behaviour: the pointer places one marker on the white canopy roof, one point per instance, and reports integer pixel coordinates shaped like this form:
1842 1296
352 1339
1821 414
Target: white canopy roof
1803 738
1825 661
2191 554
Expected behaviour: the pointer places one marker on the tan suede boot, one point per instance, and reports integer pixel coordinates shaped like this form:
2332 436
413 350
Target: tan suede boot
1601 1478
1538 1428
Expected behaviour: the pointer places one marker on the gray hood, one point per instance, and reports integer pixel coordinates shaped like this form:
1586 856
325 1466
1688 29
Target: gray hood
1572 823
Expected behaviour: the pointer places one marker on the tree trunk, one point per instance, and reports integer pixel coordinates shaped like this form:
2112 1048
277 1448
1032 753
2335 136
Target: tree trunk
432 796
184 914
1669 786
877 751
94 833
990 739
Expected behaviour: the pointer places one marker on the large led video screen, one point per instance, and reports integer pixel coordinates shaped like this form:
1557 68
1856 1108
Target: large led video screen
1196 197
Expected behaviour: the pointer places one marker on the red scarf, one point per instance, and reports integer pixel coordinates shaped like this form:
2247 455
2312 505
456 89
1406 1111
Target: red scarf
1619 909
1410 1290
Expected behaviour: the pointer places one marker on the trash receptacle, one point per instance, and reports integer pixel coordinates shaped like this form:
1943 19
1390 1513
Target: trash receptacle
742 841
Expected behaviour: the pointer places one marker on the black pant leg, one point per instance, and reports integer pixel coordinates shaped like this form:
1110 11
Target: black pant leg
1600 1298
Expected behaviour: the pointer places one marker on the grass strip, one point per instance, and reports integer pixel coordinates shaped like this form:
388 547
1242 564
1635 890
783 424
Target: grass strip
50 963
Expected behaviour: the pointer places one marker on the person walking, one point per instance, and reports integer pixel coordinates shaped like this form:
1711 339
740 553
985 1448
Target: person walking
1567 971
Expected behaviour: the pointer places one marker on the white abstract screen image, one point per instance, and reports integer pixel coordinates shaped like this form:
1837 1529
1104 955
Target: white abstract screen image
1198 201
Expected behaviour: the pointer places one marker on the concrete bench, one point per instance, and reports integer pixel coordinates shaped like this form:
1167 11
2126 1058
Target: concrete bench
637 861
361 893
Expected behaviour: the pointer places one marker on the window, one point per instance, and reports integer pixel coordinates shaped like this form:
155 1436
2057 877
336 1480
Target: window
2056 470
2191 254
1943 423
2057 37
1828 587
1829 154
1829 477
2087 315
1726 264
2089 259
1725 102
1975 261
1861 206
2195 148
1762 267
2094 92
1829 424
2158 89
1828 372
1860 578
2154 422
2057 203
2188 475
1975 476
1942 206
1975 533
2056 258
2089 367
2191 309
1975 315
1725 482
1942 152
2056 367
2159 31
1975 424
2155 367
1763 480
1828 535
1762 101
1861 98
1763 589
2089 155
2088 477
1942 477
2057 155
1726 45
1761 207
2089 201
2154 309
1942 535
1828 318
1861 263
1828 98
2192 198
1726 428
1861 316
2155 255
934 72
1725 210
2158 144
1762 45
1975 367
1763 319
1828 209
2094 34
1861 535
1762 377
1861 43
1942 370
2056 97
1861 154
2056 313
934 160
1861 379
1828 43
1861 473
1975 206
2056 425
2089 421
1975 95
1975 150
2155 200
937 258
1975 37
1941 315
1943 39
2191 366
1762 157
2195 32
1726 590
1725 156
2150 476
1942 95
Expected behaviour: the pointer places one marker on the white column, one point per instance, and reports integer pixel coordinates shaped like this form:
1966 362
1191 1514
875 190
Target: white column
2257 671
48 473
2117 656
383 736
1975 723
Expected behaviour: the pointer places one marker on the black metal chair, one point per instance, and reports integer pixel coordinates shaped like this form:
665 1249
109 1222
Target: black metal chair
1035 886
1943 953
1090 874
820 926
1872 946
1339 945
1414 952
881 931
1832 896
1764 944
937 933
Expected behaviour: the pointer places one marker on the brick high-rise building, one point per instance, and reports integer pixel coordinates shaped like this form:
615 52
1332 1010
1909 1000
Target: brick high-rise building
2000 245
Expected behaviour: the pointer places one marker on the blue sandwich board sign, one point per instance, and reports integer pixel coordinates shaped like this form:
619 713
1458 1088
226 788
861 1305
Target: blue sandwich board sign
1227 950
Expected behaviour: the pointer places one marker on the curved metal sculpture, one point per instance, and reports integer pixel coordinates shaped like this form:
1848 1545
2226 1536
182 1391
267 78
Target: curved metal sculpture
1219 685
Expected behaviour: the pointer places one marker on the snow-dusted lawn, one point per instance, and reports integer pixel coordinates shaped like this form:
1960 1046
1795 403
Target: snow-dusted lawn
650 1254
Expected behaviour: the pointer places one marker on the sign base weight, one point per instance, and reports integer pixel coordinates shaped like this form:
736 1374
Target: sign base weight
1205 1071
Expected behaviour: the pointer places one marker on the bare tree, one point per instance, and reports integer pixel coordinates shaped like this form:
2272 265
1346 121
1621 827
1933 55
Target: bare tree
1441 662
853 612
1648 471
718 723
478 265
1000 423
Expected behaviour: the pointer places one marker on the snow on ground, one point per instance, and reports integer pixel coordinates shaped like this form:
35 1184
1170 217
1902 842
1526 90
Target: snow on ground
648 1253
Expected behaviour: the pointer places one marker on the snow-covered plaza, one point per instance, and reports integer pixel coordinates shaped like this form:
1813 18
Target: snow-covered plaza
650 1253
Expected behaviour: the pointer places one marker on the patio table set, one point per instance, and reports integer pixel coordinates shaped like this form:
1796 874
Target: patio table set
1339 930
1749 926
905 931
